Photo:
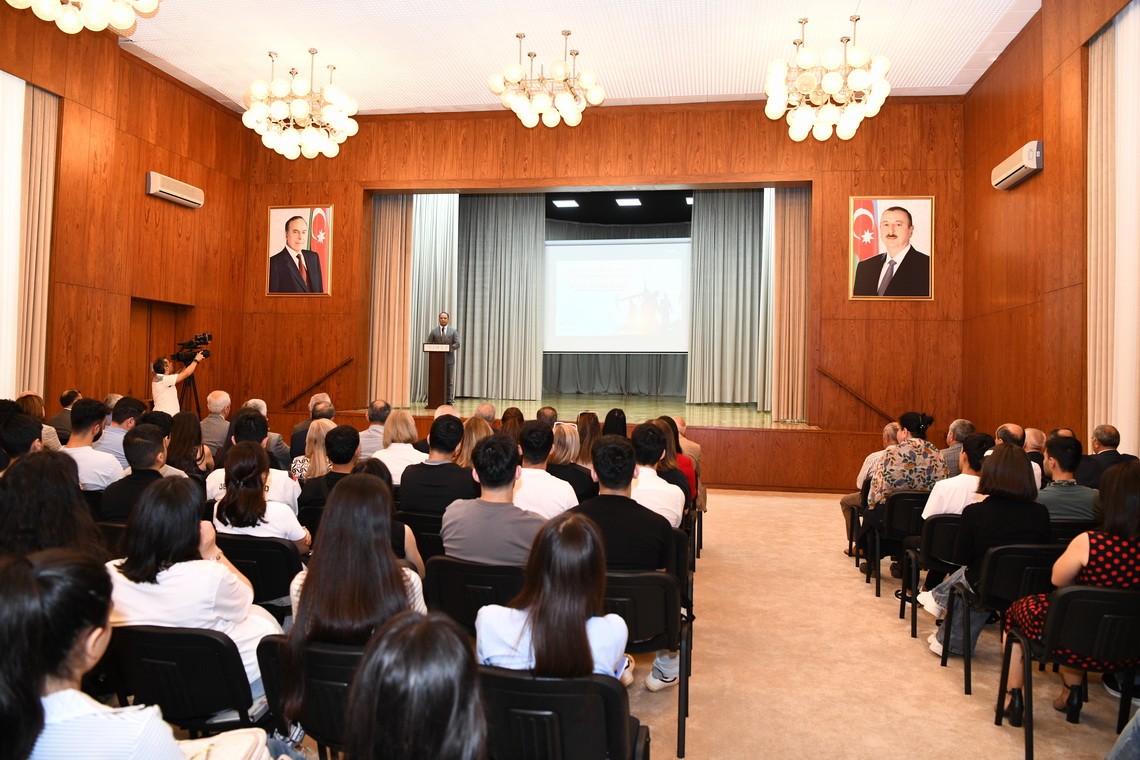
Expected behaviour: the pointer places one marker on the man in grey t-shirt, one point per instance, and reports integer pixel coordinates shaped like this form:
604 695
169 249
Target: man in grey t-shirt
491 530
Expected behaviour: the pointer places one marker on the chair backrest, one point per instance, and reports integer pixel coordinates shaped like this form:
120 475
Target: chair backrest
683 566
1064 531
329 670
530 718
310 517
425 526
904 513
113 533
650 604
1011 572
269 563
1097 623
94 501
191 673
938 536
462 588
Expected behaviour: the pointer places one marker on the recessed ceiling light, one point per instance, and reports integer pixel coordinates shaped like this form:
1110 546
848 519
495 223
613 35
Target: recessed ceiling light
569 203
628 201
689 200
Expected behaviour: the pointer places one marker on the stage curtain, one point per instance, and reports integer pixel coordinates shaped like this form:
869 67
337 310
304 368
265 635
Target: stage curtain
790 299
614 374
1101 223
435 247
389 329
558 229
731 297
37 203
501 242
12 126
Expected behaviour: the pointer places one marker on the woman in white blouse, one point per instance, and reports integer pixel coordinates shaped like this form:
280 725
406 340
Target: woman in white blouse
244 510
398 452
175 575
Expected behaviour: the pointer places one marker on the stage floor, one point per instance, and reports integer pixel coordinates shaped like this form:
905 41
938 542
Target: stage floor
637 409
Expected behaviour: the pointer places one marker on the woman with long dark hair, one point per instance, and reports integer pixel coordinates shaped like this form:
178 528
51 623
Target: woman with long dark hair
403 539
512 422
54 608
416 694
589 430
243 508
42 507
174 574
557 625
667 466
353 583
615 423
186 451
684 461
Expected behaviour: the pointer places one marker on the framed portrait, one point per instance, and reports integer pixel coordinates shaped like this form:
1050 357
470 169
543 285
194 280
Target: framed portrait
892 248
300 251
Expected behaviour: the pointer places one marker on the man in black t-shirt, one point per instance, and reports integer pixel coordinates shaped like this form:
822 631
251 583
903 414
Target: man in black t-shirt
145 449
433 484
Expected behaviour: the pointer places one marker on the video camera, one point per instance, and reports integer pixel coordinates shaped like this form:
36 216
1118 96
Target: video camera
190 348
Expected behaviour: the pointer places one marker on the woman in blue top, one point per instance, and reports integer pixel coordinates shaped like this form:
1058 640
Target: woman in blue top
556 626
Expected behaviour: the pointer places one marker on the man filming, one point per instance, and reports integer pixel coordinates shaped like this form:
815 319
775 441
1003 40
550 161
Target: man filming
163 385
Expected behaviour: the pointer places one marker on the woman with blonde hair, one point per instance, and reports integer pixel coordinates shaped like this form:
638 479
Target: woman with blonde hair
563 462
475 429
398 452
315 461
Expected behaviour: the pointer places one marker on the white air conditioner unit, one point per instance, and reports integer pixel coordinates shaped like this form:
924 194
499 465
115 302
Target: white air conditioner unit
161 186
1026 161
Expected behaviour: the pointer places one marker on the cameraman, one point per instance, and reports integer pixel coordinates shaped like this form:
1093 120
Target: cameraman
162 385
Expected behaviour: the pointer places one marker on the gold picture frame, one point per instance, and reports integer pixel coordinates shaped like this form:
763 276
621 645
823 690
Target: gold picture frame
891 248
299 264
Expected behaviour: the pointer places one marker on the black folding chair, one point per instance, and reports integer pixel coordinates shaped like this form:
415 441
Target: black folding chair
1064 531
310 518
425 527
271 564
1101 624
902 518
532 718
934 548
462 588
113 533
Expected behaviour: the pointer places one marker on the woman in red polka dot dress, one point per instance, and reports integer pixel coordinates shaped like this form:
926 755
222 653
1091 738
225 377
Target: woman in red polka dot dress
1109 557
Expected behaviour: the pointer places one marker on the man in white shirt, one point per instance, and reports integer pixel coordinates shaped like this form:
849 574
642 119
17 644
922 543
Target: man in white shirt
97 469
537 490
850 504
372 439
164 383
250 425
952 495
649 490
124 416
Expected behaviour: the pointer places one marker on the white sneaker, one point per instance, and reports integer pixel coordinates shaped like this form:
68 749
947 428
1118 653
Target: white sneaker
926 599
656 682
626 676
932 638
936 647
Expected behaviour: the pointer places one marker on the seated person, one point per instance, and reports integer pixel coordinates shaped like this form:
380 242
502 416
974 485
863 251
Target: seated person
398 452
20 435
245 509
557 625
952 495
97 469
41 507
1064 497
491 530
475 429
145 449
430 486
165 423
342 444
250 425
650 490
563 461
124 416
537 490
315 460
174 574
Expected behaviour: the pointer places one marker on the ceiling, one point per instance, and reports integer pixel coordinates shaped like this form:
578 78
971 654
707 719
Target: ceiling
436 55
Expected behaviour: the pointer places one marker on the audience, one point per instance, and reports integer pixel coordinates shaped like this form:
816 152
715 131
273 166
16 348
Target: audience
320 408
246 509
1108 557
315 460
669 467
615 423
1063 496
589 430
512 423
1014 435
97 469
20 435
547 414
852 504
214 425
175 575
32 405
442 410
563 462
416 694
398 452
475 429
8 410
649 489
491 530
185 450
557 626
124 416
41 507
955 435
250 425
1105 442
536 490
61 420
485 412
342 444
683 462
275 443
430 486
950 496
165 423
372 439
146 452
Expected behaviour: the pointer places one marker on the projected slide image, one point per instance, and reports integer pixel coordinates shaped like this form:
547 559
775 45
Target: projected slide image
625 298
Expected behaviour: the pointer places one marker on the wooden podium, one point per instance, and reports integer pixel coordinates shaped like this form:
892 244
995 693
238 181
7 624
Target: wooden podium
437 373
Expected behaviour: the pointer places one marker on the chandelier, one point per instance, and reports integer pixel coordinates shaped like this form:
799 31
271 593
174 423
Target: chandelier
831 92
560 95
72 16
295 118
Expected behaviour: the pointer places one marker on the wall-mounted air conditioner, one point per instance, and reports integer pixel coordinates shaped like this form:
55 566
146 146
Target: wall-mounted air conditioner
1025 162
161 186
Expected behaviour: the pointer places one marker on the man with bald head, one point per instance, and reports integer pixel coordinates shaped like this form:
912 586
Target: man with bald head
1035 449
1105 442
422 444
1012 434
485 412
372 439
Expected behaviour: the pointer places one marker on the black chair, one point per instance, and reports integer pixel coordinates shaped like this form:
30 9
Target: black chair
193 674
461 588
329 670
94 501
902 517
853 534
310 518
531 718
1008 573
934 548
650 604
113 533
425 526
1098 623
271 564
1064 531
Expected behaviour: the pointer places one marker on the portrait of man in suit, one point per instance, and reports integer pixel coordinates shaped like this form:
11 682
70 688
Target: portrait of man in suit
900 269
299 267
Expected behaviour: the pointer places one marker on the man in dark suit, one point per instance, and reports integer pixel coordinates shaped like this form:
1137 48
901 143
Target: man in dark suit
61 420
901 271
1105 440
294 269
446 334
